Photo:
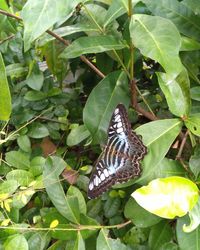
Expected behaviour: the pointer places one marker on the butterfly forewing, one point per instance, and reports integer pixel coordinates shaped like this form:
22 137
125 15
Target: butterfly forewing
120 158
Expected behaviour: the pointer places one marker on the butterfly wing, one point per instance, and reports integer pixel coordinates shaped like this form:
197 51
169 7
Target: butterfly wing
120 158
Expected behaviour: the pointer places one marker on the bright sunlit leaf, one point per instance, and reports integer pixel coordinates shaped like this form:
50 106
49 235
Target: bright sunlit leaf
54 223
168 197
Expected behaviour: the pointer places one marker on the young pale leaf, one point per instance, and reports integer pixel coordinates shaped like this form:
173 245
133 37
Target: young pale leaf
54 224
184 18
112 90
105 243
194 215
168 197
38 22
92 44
155 37
23 177
67 206
5 98
176 92
193 124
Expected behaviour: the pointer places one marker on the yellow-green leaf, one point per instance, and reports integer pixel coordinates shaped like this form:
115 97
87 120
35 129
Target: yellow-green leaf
54 223
168 197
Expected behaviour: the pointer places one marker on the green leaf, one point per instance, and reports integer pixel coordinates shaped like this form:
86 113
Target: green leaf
67 206
37 130
79 243
92 44
35 78
77 135
37 165
189 44
17 242
24 178
195 93
177 92
18 159
38 241
155 37
193 5
73 191
66 31
5 98
187 240
105 243
111 207
24 143
193 123
38 22
183 17
160 234
8 187
34 95
138 215
16 70
194 215
112 90
194 162
168 197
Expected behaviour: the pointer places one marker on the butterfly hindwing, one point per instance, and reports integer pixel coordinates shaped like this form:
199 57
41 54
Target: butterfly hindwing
120 158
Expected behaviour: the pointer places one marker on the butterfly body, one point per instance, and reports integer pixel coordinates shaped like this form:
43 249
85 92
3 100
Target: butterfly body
120 158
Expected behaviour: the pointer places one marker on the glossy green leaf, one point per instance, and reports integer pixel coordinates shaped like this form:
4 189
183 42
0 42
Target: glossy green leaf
92 44
189 44
24 143
138 215
184 18
23 177
176 92
5 98
67 206
79 243
194 162
77 135
193 5
38 241
111 91
193 124
194 215
160 234
18 159
38 130
17 242
38 22
155 37
187 240
73 191
34 95
195 93
103 242
168 167
168 197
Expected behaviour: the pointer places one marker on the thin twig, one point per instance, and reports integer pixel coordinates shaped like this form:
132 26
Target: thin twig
178 157
73 227
51 120
6 39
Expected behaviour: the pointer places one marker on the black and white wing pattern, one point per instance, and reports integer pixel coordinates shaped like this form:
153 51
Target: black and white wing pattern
120 159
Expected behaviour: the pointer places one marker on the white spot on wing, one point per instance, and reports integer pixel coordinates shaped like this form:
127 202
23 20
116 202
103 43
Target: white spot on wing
119 130
91 186
106 172
102 177
119 124
116 111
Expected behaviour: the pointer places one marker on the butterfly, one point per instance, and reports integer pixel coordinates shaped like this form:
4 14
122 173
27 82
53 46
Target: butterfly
120 158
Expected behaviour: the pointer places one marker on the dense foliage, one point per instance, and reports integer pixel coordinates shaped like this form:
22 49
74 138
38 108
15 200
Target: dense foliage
64 66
